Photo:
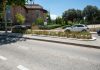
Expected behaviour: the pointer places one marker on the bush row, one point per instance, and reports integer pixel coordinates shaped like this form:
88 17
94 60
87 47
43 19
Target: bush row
78 35
49 26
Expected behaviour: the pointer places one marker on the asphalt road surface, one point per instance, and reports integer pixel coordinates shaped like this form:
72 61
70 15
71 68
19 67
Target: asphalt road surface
22 54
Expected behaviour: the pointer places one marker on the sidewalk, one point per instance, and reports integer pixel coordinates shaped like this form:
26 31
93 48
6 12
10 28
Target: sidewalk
91 44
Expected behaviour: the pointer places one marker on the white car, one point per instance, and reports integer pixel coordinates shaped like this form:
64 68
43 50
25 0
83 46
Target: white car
78 27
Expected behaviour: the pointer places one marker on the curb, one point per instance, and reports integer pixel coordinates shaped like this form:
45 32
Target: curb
68 43
93 38
83 45
93 32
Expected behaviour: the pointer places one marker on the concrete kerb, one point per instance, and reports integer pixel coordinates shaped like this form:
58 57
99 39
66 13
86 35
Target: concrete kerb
84 45
93 38
68 43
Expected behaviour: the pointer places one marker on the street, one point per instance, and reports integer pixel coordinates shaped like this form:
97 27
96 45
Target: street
24 54
49 35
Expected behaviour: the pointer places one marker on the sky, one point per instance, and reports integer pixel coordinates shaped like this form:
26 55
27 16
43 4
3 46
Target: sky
57 7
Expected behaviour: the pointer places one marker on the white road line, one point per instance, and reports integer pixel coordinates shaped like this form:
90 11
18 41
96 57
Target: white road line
20 67
3 58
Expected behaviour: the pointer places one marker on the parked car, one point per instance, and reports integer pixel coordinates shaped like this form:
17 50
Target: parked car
98 32
19 28
78 27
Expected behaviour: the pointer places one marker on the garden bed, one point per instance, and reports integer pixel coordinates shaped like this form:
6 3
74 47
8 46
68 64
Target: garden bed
78 35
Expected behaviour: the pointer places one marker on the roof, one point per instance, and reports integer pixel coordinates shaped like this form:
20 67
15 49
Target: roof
33 6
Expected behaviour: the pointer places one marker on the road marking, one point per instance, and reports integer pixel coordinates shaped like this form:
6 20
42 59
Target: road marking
20 67
3 58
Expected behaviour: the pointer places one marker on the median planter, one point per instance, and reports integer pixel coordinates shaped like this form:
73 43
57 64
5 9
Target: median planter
78 35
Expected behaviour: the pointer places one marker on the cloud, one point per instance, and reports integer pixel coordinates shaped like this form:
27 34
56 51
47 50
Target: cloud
53 17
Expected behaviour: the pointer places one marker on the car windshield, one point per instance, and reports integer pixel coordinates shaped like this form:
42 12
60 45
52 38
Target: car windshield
79 25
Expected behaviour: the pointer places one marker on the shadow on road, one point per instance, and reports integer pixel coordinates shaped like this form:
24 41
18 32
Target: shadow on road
10 38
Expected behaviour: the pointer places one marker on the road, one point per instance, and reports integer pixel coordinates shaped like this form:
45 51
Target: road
24 54
95 35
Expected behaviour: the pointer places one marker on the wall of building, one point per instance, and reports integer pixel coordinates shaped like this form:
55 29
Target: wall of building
17 9
30 14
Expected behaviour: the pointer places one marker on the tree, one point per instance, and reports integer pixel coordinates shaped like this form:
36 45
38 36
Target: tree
91 13
59 20
40 21
70 14
1 9
10 2
20 18
79 16
48 17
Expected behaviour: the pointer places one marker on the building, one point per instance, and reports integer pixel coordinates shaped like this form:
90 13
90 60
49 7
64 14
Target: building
30 11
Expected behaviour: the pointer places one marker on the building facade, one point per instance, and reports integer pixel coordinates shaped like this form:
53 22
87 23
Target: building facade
30 11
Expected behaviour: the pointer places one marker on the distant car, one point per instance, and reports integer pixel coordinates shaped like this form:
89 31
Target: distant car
19 26
98 32
78 28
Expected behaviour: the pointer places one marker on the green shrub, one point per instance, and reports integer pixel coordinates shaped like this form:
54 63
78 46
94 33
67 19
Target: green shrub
66 26
39 21
28 31
50 26
79 35
52 33
20 18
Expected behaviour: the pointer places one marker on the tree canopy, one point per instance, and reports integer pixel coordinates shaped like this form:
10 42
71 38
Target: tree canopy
72 15
90 14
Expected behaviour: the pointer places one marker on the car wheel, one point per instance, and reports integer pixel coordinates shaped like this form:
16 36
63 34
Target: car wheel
67 31
84 30
98 34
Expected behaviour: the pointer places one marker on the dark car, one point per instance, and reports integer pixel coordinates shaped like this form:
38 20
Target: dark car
19 28
98 32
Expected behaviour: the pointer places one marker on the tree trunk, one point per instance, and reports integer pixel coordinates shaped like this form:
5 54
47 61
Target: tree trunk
4 14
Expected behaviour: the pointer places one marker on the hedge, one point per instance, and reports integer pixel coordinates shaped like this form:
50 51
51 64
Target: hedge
78 35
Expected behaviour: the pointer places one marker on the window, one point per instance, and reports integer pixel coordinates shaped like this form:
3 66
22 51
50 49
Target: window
80 26
37 12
